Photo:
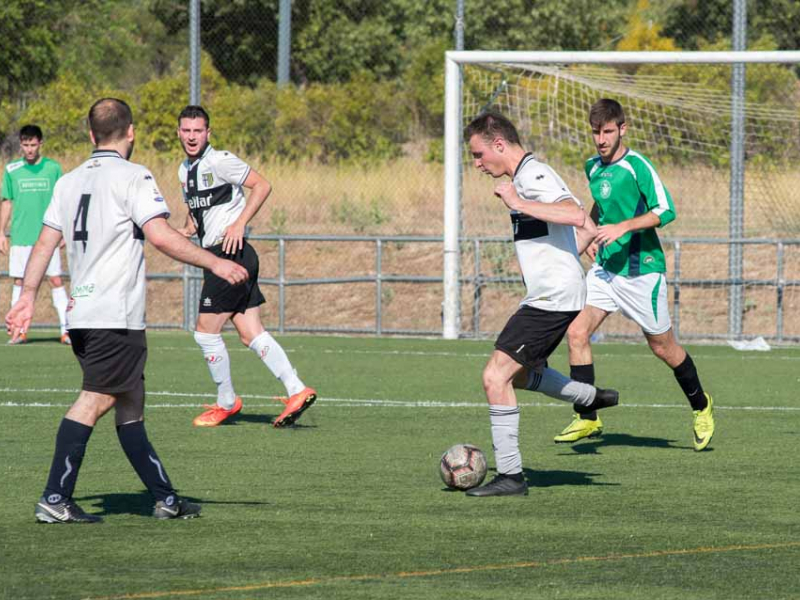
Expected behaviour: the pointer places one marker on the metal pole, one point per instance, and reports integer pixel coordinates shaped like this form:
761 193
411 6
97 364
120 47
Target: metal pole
736 226
284 40
452 202
191 289
194 52
459 24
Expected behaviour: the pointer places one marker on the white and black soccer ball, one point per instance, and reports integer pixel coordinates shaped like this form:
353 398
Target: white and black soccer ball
463 467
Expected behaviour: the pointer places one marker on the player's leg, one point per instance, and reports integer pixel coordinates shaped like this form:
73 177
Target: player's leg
59 294
17 260
504 418
665 347
56 504
299 397
133 438
208 336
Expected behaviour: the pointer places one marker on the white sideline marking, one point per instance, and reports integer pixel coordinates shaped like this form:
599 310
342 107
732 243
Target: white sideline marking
346 402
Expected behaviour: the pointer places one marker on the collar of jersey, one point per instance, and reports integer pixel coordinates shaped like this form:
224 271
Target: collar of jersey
199 158
522 161
106 154
620 159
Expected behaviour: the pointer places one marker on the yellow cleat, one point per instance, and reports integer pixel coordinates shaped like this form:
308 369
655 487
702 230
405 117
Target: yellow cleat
579 428
703 425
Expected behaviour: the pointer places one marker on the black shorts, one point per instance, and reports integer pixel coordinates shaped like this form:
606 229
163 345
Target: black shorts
532 335
112 360
219 296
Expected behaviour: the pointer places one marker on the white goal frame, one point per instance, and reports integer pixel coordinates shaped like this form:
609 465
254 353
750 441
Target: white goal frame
454 130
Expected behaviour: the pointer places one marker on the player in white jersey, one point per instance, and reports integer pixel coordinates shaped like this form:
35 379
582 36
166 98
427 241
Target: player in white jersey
550 231
103 210
213 182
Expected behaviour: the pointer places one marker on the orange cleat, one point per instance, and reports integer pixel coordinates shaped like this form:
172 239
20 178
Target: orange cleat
295 406
22 339
216 414
65 340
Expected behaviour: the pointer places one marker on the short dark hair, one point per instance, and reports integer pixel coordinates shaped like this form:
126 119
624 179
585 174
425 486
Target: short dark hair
194 111
30 131
490 125
109 119
605 111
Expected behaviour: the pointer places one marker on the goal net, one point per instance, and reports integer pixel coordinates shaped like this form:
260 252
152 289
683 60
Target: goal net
733 247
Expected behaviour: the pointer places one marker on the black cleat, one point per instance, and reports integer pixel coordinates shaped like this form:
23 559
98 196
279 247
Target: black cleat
176 508
501 485
65 511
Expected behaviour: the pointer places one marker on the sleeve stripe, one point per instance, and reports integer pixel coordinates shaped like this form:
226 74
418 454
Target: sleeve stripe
661 195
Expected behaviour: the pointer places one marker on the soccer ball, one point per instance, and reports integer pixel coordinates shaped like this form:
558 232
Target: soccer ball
463 467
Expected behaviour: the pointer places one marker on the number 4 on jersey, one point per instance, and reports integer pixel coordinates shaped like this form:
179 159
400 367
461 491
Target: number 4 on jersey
79 231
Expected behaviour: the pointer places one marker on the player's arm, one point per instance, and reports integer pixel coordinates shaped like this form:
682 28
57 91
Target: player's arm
607 234
5 217
260 189
563 212
169 241
585 235
19 317
189 228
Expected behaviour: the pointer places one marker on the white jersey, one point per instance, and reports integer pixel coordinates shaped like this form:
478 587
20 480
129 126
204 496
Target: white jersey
212 187
547 252
100 209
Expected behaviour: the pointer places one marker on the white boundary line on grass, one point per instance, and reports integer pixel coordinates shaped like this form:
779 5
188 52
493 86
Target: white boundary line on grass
342 402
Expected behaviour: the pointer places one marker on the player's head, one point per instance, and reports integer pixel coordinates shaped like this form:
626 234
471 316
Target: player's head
111 123
490 137
607 120
30 142
194 130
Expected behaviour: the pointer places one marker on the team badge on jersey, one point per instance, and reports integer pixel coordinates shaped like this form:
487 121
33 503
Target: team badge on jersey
605 189
208 179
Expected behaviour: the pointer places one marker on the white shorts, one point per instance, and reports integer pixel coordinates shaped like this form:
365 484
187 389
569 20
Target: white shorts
642 299
18 259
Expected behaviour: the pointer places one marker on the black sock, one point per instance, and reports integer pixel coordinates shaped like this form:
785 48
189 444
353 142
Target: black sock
133 439
71 441
686 374
584 374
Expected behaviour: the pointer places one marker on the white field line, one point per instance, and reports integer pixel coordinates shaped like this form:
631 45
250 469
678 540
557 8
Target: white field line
339 402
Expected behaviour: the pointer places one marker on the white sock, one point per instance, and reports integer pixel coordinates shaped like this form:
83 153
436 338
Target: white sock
554 384
271 353
219 365
505 438
15 294
60 301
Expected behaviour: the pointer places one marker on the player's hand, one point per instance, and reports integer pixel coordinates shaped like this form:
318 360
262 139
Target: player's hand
508 194
18 319
591 250
3 244
185 231
234 239
230 271
607 234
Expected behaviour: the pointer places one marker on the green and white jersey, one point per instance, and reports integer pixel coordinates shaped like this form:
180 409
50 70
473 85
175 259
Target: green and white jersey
30 188
623 190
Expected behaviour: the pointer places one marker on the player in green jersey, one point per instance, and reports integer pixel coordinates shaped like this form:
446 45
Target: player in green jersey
28 185
628 275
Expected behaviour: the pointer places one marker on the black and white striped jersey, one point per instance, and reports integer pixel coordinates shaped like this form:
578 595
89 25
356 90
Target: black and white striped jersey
100 208
212 188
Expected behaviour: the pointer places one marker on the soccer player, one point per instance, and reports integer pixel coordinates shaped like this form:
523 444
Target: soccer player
213 182
550 231
628 275
28 184
103 210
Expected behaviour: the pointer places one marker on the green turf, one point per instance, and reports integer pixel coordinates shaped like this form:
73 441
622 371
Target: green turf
349 505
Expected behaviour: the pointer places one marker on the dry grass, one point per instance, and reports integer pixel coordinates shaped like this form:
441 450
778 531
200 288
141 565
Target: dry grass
405 197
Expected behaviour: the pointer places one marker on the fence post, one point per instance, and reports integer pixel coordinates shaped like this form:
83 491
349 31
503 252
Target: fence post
284 40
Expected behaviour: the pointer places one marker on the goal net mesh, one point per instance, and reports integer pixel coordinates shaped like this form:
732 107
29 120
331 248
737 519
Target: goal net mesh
679 116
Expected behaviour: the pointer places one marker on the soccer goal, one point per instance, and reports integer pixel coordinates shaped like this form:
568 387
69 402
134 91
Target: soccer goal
723 131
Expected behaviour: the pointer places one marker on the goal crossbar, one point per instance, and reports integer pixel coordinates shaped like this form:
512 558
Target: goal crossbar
453 131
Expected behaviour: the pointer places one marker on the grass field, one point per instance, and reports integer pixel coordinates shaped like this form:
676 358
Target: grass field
348 504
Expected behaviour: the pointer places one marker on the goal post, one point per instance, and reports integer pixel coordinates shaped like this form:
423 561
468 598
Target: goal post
456 118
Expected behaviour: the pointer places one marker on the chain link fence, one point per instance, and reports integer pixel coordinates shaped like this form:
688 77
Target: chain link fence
351 140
